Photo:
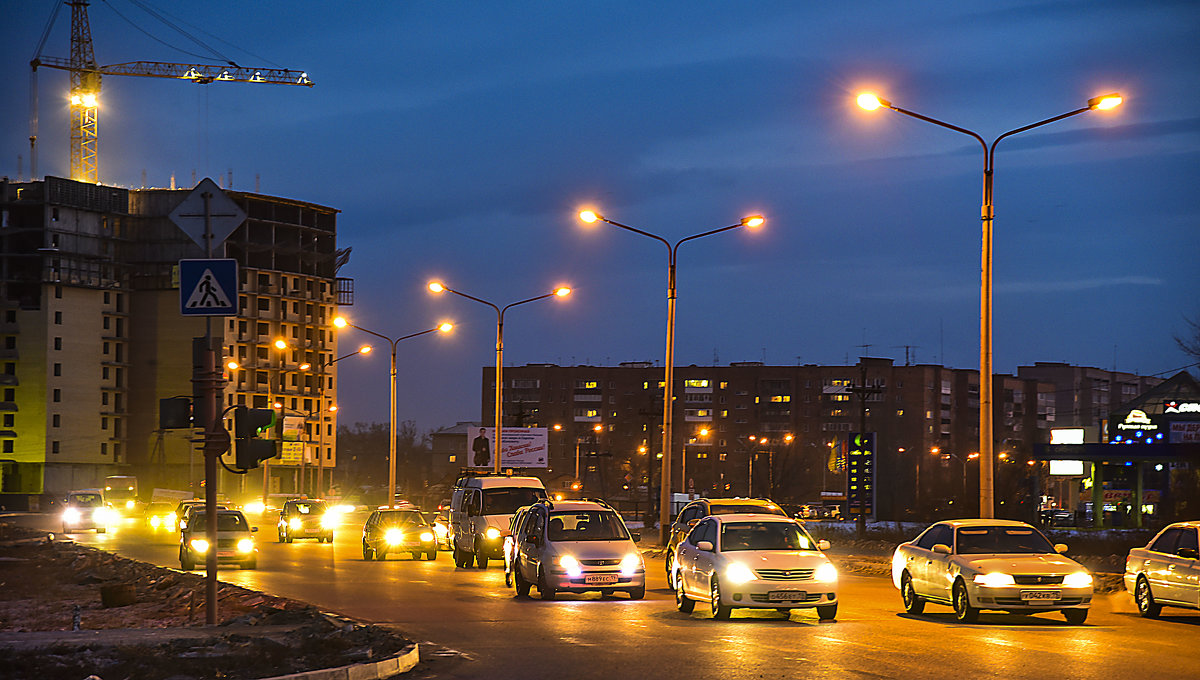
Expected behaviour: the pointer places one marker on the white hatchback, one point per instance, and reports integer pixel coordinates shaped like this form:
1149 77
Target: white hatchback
974 564
754 561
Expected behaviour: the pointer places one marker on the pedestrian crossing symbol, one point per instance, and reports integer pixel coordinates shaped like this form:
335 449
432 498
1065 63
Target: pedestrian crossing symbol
208 287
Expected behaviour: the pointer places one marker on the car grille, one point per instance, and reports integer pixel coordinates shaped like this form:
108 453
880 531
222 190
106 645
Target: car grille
785 574
763 597
599 563
1037 580
226 543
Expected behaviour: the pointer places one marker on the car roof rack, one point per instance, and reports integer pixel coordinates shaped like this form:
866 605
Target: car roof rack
598 501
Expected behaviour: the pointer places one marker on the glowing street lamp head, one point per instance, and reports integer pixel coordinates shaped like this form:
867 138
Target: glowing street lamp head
753 221
1105 102
588 216
870 102
436 286
365 349
281 344
597 427
445 327
563 291
232 365
341 322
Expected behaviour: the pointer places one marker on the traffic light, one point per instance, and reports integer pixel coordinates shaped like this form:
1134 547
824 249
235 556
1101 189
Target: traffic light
174 413
248 424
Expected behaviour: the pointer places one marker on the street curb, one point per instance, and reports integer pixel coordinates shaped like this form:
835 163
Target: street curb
372 670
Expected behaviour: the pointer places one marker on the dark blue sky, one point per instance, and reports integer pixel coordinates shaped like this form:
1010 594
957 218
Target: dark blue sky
459 139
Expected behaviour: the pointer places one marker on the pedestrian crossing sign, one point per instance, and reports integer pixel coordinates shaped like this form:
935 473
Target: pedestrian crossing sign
208 287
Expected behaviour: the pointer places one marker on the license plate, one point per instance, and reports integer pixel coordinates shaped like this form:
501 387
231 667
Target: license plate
600 579
787 595
1037 595
225 553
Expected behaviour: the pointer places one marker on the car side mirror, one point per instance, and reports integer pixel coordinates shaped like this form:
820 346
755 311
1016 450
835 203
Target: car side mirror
941 549
1189 553
706 546
637 536
823 544
693 522
253 529
1060 548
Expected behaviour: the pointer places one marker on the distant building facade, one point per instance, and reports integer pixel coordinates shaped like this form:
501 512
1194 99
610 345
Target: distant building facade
93 336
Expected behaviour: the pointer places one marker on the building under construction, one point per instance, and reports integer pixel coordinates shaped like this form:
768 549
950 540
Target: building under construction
93 337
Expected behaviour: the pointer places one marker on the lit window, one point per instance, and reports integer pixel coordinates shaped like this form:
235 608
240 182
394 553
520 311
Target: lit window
697 382
781 398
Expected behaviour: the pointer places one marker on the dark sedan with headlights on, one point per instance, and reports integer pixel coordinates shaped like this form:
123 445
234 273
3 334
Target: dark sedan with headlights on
398 530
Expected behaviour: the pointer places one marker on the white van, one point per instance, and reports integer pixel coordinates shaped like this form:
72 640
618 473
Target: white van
480 509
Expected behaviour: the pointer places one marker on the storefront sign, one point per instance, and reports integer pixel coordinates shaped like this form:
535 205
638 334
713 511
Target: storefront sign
1181 407
1185 433
1137 420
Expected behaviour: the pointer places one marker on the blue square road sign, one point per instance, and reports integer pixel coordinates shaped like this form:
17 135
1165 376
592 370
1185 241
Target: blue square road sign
208 287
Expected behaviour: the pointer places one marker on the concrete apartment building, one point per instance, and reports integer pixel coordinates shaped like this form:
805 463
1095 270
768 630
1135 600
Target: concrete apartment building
925 416
92 335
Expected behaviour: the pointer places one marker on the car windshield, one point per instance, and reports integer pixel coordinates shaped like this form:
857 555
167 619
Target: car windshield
586 525
317 508
507 501
764 536
394 517
225 522
86 500
764 509
1001 540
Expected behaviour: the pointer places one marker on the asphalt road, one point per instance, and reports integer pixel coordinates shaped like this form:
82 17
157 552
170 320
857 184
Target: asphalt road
475 627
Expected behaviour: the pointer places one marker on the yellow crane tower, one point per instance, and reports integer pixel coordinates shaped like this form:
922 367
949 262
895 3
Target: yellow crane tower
85 87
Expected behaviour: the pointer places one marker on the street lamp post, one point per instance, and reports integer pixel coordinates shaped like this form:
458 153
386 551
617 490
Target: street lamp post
442 327
321 410
871 102
753 221
562 291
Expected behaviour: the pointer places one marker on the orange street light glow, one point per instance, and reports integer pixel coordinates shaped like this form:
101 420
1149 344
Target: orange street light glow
562 292
340 322
1105 102
446 327
588 216
436 286
280 344
870 102
232 365
753 221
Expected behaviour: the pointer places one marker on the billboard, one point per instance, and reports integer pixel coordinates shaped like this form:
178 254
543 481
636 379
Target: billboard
524 447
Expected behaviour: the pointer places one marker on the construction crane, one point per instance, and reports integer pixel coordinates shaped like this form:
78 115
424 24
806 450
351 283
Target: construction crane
85 87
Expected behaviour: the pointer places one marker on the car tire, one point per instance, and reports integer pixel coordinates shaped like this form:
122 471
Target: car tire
508 577
368 554
720 611
1144 598
670 570
1075 617
827 612
381 554
481 560
544 589
431 555
683 603
288 538
522 586
637 593
416 555
280 532
184 563
963 611
913 603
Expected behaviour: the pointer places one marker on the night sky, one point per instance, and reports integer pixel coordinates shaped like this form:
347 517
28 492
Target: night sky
459 140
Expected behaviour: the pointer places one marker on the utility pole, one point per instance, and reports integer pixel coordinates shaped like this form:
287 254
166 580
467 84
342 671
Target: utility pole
864 392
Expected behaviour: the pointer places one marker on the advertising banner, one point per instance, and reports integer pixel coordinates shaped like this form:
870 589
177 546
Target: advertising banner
1185 432
290 453
524 447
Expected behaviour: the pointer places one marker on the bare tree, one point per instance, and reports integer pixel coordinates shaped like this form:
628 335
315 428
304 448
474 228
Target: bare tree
1189 340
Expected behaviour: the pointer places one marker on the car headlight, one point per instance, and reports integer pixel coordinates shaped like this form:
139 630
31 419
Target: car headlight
738 573
101 515
199 545
329 520
492 533
1080 579
393 536
255 507
995 580
155 521
70 515
441 530
171 519
631 563
129 505
245 545
574 570
826 573
295 523
427 537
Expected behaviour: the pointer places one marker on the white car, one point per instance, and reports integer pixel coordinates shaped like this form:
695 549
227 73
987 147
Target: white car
994 564
1167 571
235 542
754 561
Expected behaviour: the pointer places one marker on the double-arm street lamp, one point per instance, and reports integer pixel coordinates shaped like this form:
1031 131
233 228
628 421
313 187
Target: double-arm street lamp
753 221
870 102
443 328
439 287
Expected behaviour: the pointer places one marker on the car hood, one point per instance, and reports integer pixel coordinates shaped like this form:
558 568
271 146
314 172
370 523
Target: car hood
594 550
777 559
1020 564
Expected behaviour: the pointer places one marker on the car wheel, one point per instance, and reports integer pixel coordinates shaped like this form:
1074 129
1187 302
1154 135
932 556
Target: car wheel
1146 605
670 570
719 611
683 603
368 554
288 538
963 611
481 560
827 612
519 582
381 554
280 536
1075 617
637 593
431 555
913 603
544 589
508 576
185 563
